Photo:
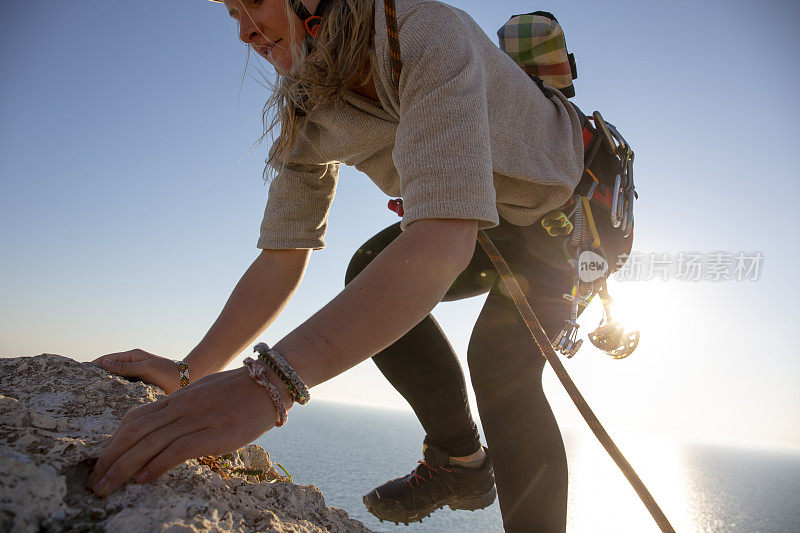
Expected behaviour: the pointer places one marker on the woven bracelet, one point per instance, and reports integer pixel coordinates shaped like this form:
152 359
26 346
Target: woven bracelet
275 360
257 373
269 359
183 373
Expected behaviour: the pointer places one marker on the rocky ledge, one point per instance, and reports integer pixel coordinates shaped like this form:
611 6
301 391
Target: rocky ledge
56 414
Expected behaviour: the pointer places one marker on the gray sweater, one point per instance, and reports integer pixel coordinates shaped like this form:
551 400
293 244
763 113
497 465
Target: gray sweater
471 136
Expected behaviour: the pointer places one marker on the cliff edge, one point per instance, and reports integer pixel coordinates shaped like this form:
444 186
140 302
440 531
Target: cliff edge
55 415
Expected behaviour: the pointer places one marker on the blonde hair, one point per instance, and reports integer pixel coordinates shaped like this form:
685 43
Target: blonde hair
323 69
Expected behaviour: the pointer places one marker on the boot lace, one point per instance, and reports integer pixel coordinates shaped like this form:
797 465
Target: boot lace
432 469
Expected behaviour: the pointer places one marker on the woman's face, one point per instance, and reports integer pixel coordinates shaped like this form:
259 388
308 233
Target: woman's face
264 27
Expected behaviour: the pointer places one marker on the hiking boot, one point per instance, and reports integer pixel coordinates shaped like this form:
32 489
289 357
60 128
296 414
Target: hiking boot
433 484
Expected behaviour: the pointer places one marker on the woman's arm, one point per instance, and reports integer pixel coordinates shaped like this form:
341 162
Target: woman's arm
390 296
256 301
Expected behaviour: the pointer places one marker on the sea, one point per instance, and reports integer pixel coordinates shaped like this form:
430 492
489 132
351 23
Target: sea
347 450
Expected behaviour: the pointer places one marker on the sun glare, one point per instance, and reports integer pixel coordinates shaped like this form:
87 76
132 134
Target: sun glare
654 308
602 500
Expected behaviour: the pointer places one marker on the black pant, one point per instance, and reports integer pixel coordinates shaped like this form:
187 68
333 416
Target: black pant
505 364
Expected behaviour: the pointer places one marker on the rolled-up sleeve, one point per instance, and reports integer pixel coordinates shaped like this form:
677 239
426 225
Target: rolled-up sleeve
300 198
442 150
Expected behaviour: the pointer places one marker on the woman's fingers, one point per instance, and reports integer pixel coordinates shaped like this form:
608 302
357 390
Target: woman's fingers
129 433
128 369
145 450
148 367
145 409
128 357
189 446
130 364
204 418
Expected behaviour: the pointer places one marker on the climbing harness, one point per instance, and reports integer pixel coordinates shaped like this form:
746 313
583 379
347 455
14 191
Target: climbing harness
609 336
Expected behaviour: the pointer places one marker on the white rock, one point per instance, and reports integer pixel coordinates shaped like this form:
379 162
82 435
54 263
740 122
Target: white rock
57 413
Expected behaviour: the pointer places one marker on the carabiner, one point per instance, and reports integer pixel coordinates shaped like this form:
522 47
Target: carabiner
600 124
629 213
617 199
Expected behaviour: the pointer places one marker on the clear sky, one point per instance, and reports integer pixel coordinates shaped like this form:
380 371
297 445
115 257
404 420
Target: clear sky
130 203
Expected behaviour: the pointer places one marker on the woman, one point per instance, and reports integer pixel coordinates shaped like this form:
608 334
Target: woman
469 142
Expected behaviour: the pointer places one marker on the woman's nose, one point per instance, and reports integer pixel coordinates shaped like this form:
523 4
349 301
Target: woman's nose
247 31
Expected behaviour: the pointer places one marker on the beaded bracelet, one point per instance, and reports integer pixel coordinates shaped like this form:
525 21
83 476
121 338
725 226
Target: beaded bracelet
183 373
257 373
275 360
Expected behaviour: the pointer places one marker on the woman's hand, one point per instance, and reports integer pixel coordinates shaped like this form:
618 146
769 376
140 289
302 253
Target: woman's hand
148 367
216 415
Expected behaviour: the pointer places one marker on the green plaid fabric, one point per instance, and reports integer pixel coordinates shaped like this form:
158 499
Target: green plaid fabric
536 43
